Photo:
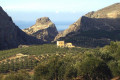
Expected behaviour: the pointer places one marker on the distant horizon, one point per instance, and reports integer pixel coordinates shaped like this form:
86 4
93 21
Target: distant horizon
59 25
68 11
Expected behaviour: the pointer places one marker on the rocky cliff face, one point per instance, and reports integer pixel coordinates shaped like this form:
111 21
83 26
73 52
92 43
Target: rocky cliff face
96 27
112 11
10 35
43 29
105 19
72 28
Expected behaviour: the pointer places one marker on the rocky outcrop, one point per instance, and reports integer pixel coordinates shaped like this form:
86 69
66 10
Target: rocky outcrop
43 29
10 34
107 19
112 11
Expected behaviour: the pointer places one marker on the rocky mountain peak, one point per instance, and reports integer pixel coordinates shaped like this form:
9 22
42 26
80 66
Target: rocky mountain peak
43 29
41 23
43 20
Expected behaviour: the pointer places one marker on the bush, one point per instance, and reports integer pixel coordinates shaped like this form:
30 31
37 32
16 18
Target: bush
53 70
94 69
70 73
21 75
115 68
41 72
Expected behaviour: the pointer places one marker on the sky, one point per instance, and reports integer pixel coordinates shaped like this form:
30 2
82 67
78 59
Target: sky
56 10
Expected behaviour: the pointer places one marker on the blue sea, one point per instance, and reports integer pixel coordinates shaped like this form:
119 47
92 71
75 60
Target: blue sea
59 25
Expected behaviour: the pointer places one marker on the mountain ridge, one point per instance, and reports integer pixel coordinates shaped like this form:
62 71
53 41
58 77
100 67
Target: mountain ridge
106 20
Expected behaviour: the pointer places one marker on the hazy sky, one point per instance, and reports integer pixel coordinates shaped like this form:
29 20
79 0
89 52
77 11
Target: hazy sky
52 8
57 10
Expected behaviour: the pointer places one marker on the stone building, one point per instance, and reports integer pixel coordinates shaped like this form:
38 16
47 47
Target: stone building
60 44
69 45
63 44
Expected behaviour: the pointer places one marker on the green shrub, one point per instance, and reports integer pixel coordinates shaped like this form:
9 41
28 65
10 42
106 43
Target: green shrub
94 69
21 75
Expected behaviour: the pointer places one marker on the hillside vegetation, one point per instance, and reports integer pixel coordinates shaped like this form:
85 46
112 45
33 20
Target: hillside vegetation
47 62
